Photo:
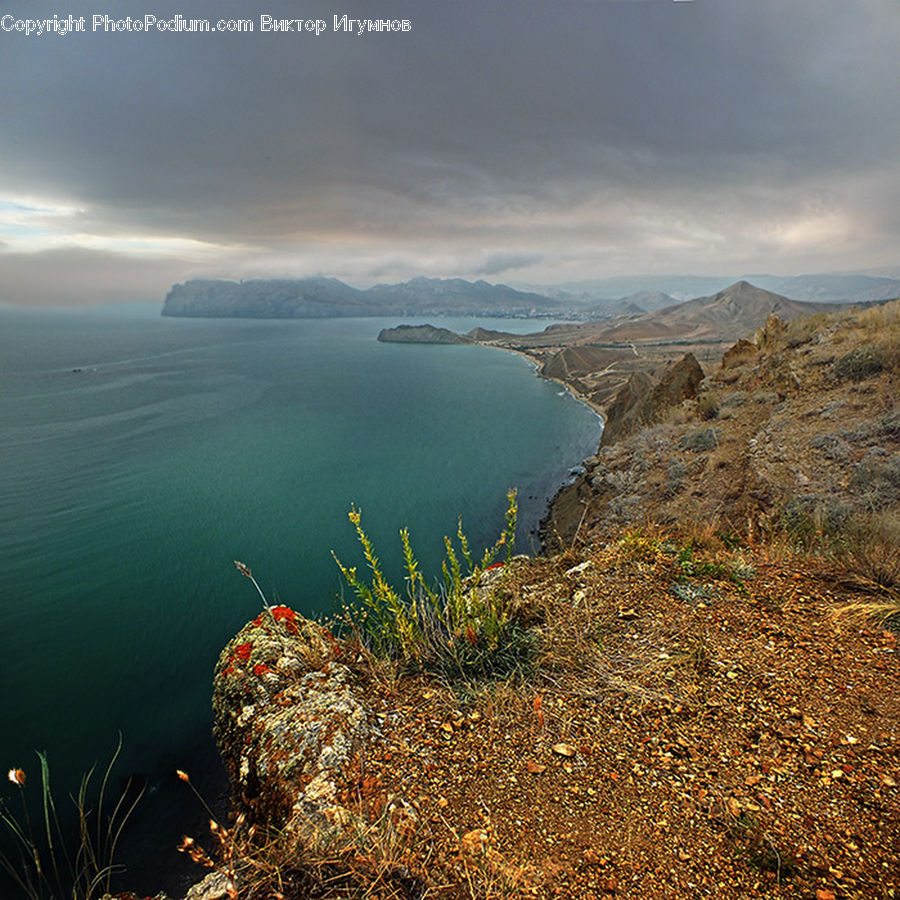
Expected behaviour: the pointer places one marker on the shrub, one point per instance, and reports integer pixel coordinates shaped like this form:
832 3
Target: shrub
862 362
832 446
889 426
870 550
676 472
700 440
811 519
876 479
461 627
708 407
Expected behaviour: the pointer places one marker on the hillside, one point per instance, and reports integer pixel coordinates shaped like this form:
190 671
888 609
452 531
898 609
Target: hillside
800 426
597 359
740 308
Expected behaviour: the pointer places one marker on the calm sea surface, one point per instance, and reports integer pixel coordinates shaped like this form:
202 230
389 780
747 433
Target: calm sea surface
140 455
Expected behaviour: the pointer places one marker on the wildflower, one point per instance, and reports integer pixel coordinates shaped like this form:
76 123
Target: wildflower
17 777
242 651
260 669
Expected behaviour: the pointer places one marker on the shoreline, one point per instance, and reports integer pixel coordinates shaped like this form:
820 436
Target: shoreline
576 470
598 411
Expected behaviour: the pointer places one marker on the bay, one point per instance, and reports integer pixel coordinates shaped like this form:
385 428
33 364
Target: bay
140 455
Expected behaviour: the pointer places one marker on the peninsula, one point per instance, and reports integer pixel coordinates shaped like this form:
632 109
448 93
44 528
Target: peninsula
421 334
313 298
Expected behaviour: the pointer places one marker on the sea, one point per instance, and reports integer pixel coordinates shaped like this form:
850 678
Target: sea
141 455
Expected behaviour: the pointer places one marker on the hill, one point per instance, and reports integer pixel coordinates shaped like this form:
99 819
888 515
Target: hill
830 287
739 309
797 429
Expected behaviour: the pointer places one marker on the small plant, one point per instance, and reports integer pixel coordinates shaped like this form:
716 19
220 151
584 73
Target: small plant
50 866
224 836
462 626
860 363
689 566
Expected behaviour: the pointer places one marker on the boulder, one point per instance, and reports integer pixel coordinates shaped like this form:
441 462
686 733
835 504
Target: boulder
290 723
740 354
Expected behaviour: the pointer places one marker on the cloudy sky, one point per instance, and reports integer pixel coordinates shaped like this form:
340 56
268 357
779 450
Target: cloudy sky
525 141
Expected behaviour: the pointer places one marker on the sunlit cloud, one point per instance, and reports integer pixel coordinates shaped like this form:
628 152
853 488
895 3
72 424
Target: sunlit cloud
29 225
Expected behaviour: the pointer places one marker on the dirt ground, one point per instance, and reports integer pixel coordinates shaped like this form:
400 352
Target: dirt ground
700 727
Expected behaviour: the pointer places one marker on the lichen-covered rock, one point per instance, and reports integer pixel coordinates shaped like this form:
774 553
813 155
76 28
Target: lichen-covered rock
290 723
215 886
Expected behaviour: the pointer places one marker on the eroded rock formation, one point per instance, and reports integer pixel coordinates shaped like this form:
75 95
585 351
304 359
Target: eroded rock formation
290 723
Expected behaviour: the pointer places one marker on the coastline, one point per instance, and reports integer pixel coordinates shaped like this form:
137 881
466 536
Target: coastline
595 408
559 502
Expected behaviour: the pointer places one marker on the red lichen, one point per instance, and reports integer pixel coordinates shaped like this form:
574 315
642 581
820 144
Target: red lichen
260 669
242 651
286 615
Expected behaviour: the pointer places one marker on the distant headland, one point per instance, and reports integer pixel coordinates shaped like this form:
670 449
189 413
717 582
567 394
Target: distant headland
323 298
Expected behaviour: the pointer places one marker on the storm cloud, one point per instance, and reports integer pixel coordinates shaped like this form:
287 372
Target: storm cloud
545 142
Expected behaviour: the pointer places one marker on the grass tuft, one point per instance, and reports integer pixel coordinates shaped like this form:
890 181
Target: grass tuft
48 863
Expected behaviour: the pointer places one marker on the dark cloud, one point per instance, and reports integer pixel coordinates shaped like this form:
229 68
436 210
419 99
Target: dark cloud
581 138
508 262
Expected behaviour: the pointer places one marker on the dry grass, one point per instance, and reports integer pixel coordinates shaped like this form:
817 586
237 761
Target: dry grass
879 325
878 320
371 862
866 613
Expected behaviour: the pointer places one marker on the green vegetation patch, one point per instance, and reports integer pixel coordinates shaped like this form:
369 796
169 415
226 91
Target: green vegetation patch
463 627
860 363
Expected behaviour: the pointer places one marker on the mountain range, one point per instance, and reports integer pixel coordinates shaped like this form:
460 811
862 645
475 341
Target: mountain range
320 297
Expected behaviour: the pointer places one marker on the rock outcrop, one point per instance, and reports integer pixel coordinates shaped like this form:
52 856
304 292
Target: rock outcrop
290 723
644 397
796 432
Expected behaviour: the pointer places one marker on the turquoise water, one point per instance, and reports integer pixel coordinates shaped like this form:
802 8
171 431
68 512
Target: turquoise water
127 488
